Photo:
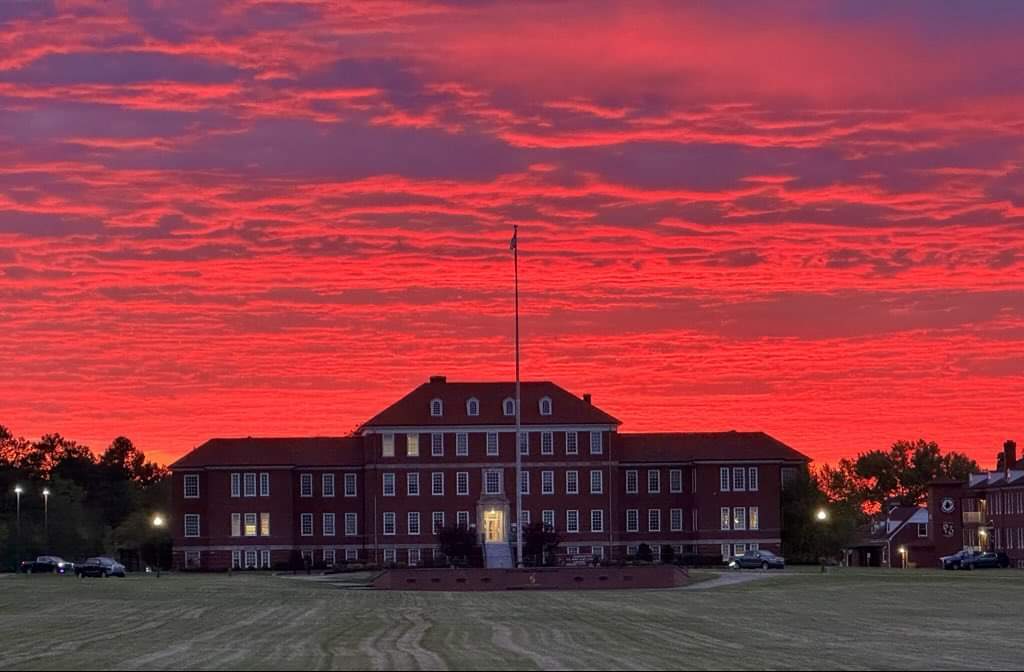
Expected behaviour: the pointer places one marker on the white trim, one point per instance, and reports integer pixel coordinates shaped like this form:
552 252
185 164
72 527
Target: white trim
190 478
502 429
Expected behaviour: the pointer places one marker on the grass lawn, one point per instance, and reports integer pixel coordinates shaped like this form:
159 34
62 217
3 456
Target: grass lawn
918 619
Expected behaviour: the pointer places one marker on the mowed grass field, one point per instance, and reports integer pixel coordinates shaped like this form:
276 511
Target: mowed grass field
849 619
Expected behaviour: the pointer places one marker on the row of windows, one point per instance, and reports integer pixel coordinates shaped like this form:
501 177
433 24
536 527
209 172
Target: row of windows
327 525
741 518
675 481
437 444
492 483
738 549
508 407
1008 539
738 479
1007 503
247 525
654 520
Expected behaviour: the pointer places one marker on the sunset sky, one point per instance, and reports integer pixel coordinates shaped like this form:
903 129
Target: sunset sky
274 218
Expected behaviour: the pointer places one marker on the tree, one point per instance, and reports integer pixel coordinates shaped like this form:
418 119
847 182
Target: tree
458 543
540 544
901 475
805 539
644 553
668 554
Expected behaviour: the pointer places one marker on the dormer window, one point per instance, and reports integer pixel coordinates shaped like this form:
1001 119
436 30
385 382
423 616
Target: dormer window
545 406
436 408
509 407
473 407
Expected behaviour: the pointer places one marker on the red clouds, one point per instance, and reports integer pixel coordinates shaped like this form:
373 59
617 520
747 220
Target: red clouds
276 218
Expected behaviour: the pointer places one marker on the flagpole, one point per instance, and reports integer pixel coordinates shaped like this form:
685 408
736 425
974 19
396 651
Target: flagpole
519 417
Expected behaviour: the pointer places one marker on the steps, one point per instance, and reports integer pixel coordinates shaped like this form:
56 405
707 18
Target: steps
498 556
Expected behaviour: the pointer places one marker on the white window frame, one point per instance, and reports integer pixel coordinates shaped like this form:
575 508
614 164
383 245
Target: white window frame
493 444
596 482
654 481
632 520
413 523
330 557
304 481
497 476
436 522
754 518
675 481
414 557
265 528
508 407
547 443
676 520
251 559
264 484
739 479
387 445
544 406
524 482
570 516
236 559
193 517
724 479
236 484
264 559
524 443
462 483
572 482
597 443
351 554
462 519
654 520
412 445
191 482
252 524
597 515
473 407
351 485
437 444
327 485
351 524
329 524
547 482
412 484
461 444
389 521
390 556
437 483
249 478
572 443
436 408
725 518
387 485
547 516
305 518
236 524
632 482
739 518
753 478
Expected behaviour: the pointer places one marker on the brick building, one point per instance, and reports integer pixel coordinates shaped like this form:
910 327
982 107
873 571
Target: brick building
444 454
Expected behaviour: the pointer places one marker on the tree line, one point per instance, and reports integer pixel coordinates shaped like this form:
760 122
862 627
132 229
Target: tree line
98 504
856 491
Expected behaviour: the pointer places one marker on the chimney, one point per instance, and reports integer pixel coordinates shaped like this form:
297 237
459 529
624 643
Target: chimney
1009 456
439 379
586 398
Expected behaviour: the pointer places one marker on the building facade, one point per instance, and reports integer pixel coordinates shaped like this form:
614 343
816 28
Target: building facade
445 454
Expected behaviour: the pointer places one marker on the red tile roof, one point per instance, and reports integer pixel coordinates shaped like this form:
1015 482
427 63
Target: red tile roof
273 452
413 410
704 446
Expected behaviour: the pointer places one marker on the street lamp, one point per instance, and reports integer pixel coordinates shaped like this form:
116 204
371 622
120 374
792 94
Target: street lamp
46 514
903 554
158 523
821 515
17 495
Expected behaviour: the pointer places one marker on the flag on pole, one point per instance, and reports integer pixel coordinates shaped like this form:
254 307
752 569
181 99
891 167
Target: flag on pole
515 235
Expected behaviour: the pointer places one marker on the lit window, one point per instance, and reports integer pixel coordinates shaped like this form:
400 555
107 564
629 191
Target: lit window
572 445
250 524
755 519
545 406
191 486
473 407
412 445
388 445
236 524
264 524
436 408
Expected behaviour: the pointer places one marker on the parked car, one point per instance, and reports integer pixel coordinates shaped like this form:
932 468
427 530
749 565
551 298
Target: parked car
47 564
758 560
99 567
988 561
957 560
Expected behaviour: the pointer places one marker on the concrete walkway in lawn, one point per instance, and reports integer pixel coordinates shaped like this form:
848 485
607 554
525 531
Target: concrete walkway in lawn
735 579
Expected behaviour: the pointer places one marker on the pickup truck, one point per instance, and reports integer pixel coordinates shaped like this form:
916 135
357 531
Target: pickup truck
47 564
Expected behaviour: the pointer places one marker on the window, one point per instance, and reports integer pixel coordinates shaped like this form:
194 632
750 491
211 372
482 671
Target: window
250 485
192 559
462 444
462 483
596 482
414 522
632 485
755 518
387 445
329 557
632 520
726 518
726 548
524 443
922 529
265 559
437 521
236 485
572 443
437 483
350 486
545 406
473 407
492 444
597 552
675 481
327 485
436 408
250 524
236 559
389 524
351 554
462 519
191 486
306 524
653 481
191 524
388 486
597 520
390 555
752 479
250 559
351 524
509 407
739 549
524 482
492 482
264 524
676 520
412 484
572 521
412 445
437 444
414 557
547 443
723 479
306 485
547 482
739 479
753 547
328 524
547 516
264 484
739 518
572 483
631 551
236 524
654 520
596 443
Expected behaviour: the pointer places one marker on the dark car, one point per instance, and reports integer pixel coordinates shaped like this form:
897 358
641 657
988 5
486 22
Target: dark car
988 561
47 564
758 560
103 567
958 560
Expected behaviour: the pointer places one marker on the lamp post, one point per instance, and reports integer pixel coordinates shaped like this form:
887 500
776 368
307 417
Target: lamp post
46 514
822 517
903 554
17 495
158 523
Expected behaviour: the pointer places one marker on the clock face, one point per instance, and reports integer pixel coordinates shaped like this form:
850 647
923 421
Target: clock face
948 505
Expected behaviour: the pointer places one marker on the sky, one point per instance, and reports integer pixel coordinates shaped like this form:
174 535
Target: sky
274 218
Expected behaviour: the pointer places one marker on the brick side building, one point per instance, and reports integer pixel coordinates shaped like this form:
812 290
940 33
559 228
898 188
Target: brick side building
444 454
